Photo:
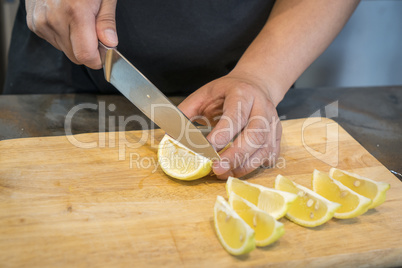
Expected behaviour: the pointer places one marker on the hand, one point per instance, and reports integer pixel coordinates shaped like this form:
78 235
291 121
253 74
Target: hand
242 105
74 26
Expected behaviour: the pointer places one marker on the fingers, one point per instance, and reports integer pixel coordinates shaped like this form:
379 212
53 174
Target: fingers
191 105
71 26
106 23
236 111
202 107
262 157
84 41
257 144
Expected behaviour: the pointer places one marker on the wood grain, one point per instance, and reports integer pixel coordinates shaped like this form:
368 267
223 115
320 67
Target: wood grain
61 205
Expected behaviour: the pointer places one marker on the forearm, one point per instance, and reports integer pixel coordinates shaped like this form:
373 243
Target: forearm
296 33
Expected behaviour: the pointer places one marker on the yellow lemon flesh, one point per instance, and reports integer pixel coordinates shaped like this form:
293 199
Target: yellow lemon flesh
267 229
274 202
310 209
374 190
235 235
353 204
181 163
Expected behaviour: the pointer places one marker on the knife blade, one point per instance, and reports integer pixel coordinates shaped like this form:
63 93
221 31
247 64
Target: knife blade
152 102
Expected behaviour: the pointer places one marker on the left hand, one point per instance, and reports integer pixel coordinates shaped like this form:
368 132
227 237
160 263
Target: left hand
237 104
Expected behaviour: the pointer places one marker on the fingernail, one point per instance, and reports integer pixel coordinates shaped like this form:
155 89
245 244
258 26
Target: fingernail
111 36
221 167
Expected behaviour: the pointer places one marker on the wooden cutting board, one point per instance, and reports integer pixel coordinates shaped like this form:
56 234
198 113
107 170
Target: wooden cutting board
61 205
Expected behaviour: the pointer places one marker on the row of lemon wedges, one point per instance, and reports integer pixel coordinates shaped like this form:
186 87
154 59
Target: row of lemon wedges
250 217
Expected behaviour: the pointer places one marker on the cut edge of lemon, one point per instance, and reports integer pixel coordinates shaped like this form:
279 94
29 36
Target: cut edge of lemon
165 161
382 187
363 203
302 192
229 222
258 217
265 192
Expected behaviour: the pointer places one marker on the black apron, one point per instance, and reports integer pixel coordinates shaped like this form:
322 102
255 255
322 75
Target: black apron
180 45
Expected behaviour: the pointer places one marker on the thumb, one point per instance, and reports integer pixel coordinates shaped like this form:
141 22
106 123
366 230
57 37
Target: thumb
106 23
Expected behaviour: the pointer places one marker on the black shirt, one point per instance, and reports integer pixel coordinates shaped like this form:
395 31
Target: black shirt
180 45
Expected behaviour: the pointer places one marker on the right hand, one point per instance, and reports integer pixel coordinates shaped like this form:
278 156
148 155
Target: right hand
75 26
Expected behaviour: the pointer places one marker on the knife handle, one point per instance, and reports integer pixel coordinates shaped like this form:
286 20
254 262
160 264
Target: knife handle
106 54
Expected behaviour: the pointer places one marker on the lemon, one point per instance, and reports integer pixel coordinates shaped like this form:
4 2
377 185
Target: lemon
233 232
272 201
353 204
310 209
374 190
181 163
267 228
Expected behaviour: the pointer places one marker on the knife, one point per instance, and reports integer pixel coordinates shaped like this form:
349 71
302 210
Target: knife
152 102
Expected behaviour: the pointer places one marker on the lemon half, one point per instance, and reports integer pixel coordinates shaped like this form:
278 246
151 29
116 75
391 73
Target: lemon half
272 201
181 163
235 235
310 209
374 190
267 228
353 204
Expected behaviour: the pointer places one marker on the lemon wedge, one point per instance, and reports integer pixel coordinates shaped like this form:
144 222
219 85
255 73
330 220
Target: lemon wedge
181 163
235 235
353 204
374 190
267 228
274 202
310 209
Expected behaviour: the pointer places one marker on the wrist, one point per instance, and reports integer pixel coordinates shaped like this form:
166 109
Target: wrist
274 90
